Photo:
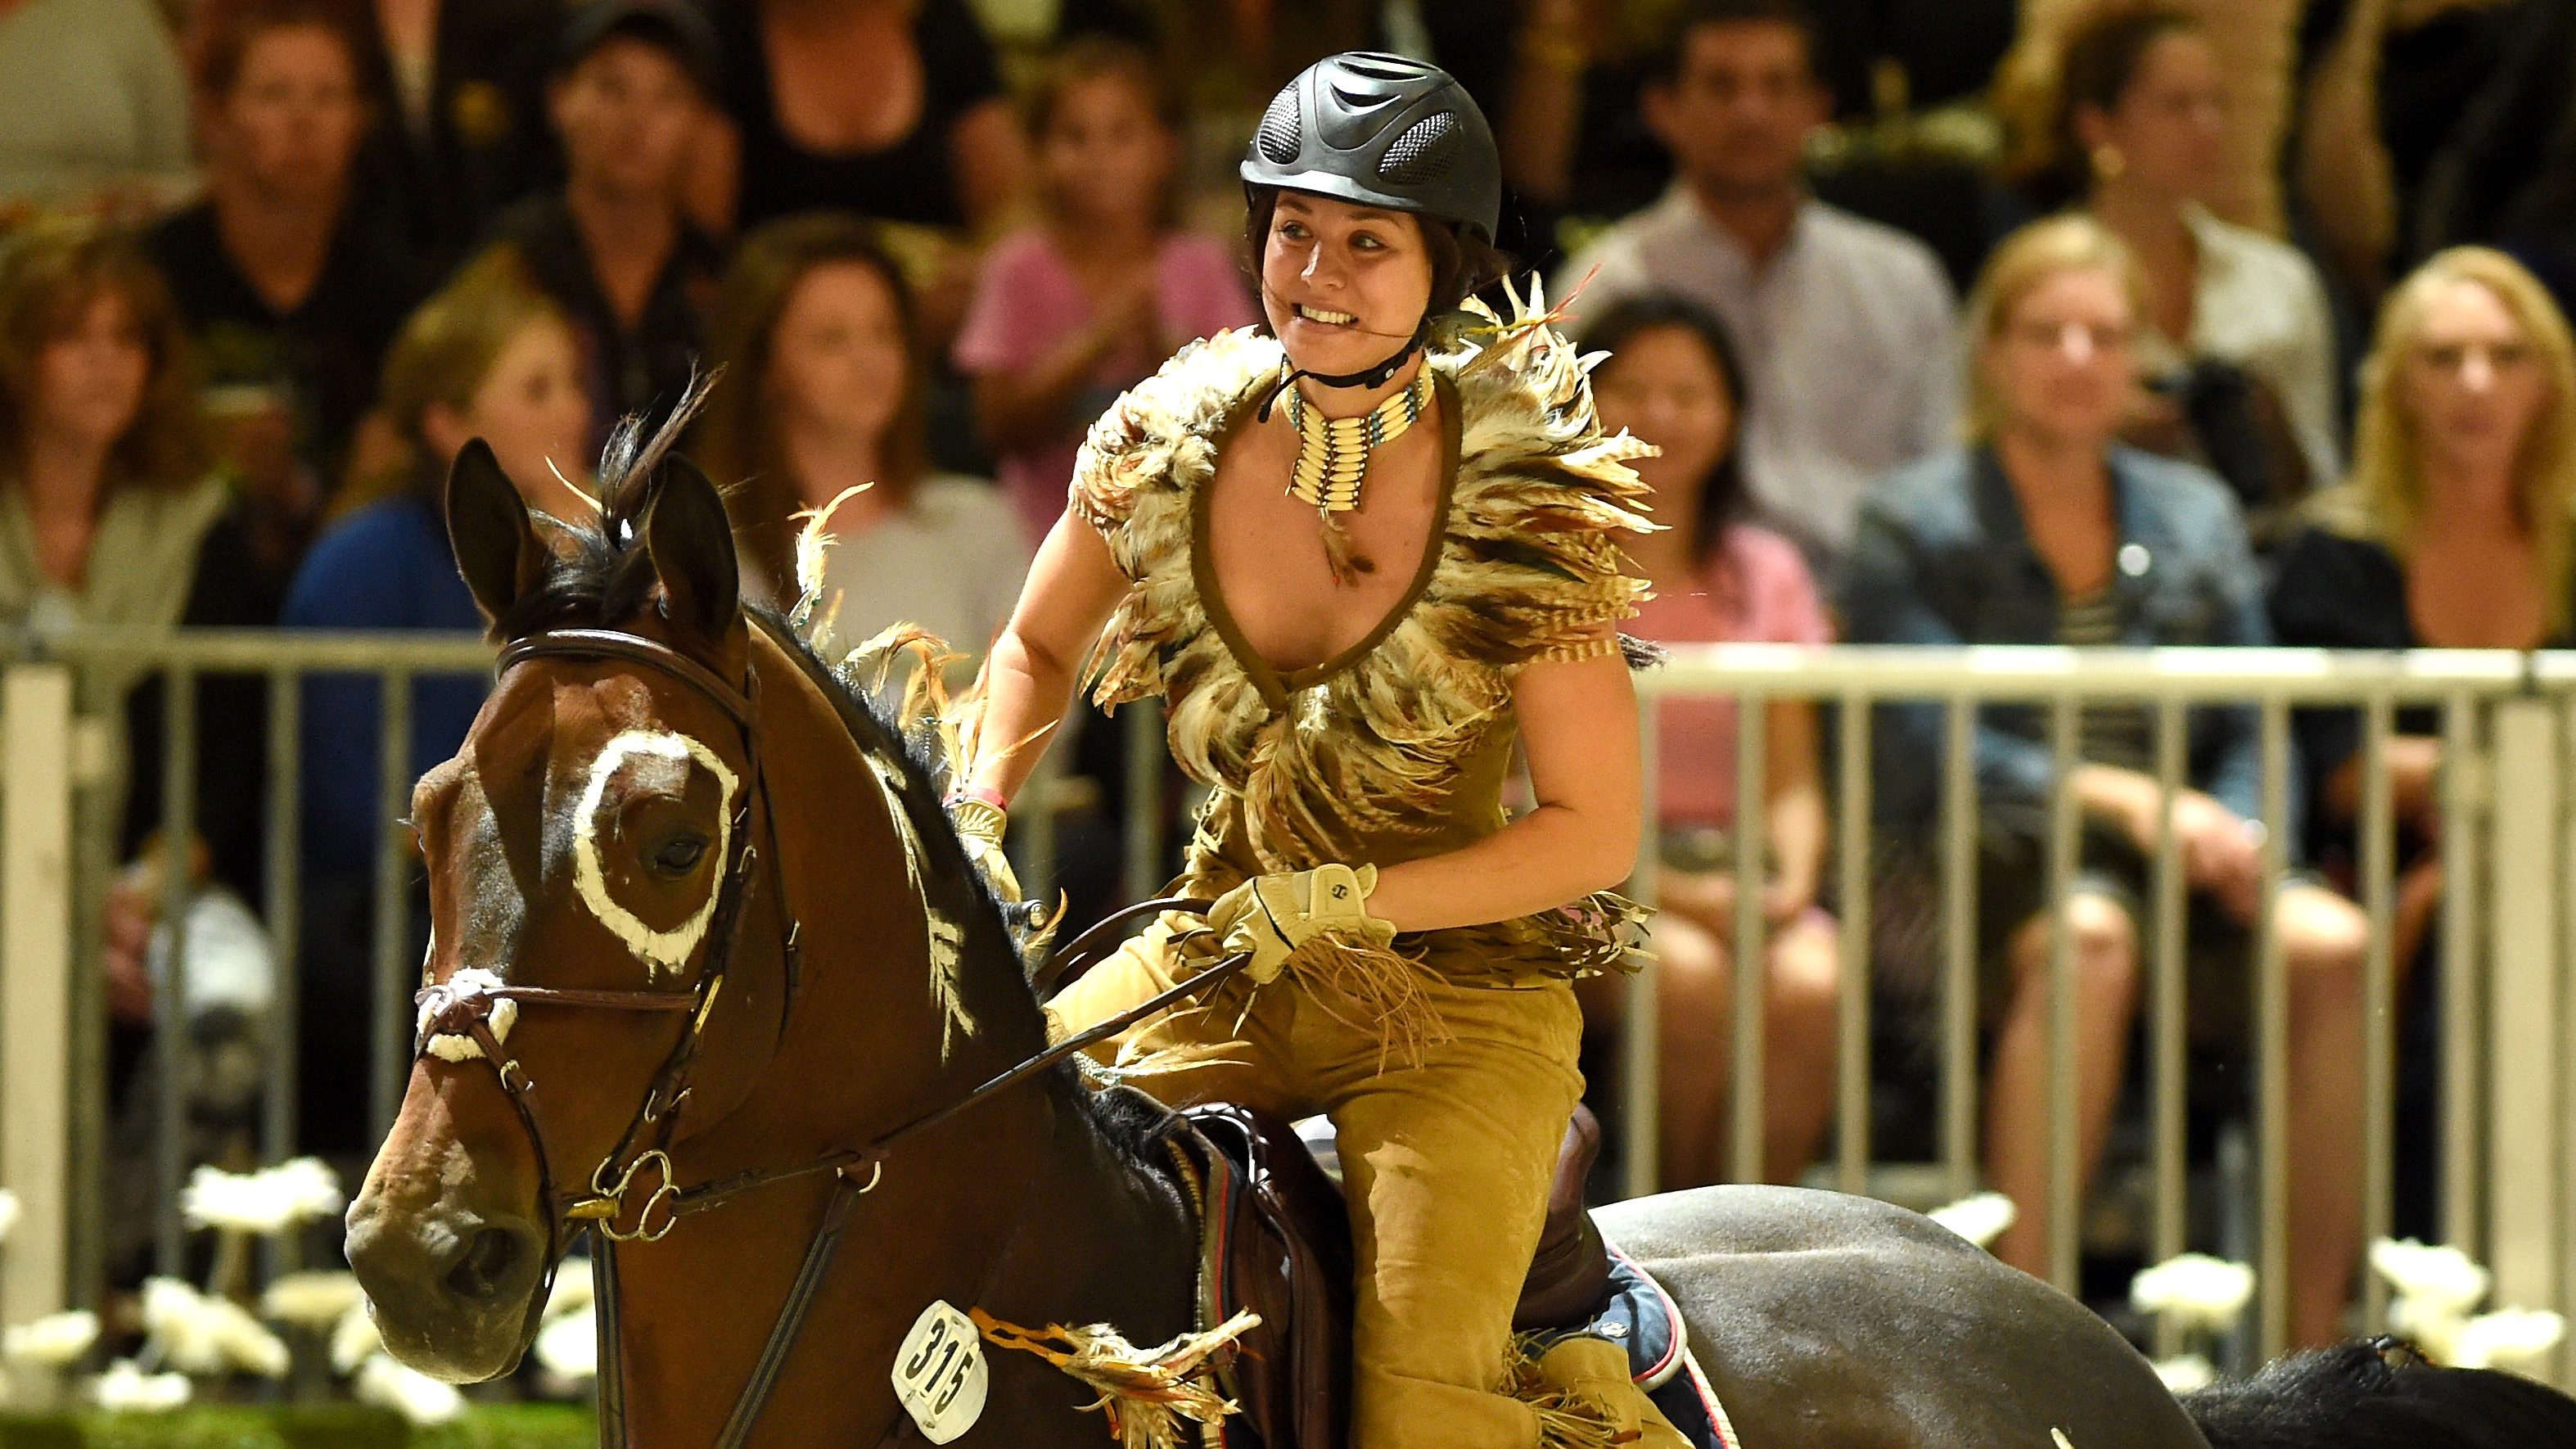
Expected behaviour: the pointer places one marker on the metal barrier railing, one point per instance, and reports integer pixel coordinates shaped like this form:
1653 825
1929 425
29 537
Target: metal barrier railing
2508 1010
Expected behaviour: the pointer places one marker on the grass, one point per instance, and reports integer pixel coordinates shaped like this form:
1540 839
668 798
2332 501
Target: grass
327 1426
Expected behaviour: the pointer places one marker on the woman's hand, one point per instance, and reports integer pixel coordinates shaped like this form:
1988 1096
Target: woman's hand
130 911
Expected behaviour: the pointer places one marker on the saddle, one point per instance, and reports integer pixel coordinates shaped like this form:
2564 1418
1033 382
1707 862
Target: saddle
1277 1240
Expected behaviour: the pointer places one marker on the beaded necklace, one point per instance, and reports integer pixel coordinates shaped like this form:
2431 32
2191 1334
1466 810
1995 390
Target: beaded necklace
1333 453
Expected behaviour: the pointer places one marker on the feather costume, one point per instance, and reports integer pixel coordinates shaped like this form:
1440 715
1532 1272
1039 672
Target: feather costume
1401 751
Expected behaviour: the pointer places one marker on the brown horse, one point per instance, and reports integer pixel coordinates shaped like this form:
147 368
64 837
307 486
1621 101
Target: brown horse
703 940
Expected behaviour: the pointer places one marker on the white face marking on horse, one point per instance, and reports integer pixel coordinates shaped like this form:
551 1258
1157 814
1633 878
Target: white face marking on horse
661 951
450 1047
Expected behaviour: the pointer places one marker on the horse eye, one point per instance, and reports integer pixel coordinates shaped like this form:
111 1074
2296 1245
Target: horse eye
679 855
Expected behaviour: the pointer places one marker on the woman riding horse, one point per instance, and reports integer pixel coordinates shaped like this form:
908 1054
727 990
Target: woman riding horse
1358 556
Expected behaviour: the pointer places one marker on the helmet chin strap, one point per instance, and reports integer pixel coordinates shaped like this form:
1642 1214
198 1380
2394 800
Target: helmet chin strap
1372 377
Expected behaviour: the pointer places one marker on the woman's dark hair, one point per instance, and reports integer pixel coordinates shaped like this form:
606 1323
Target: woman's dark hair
2099 63
1723 496
737 440
1460 264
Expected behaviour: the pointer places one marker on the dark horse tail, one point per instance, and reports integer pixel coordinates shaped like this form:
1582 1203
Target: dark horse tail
2380 1394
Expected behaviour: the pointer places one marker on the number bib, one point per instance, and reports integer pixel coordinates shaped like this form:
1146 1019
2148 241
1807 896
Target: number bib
939 1373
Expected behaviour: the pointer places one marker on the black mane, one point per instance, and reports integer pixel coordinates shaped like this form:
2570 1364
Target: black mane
603 577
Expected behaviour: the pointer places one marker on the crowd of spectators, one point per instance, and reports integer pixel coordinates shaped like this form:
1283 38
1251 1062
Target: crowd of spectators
269 265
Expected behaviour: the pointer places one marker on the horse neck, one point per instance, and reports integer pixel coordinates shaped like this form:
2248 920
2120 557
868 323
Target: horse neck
1022 1204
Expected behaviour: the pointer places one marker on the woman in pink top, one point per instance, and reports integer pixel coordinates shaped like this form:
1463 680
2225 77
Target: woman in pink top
1074 310
1720 578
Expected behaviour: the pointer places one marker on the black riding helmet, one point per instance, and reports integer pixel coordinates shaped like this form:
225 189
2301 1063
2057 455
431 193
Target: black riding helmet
1382 130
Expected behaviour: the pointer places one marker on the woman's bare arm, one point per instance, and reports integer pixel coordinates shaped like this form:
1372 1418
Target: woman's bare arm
1029 677
1578 722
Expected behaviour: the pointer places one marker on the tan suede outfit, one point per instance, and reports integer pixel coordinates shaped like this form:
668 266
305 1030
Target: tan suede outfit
1447 1065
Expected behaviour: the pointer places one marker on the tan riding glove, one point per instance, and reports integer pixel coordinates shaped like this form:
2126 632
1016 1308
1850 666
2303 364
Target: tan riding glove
979 825
1270 916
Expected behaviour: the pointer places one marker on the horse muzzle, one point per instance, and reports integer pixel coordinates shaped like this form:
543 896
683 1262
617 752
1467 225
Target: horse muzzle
449 1287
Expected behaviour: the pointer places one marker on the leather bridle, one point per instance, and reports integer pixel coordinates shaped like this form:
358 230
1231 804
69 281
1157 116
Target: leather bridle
464 1007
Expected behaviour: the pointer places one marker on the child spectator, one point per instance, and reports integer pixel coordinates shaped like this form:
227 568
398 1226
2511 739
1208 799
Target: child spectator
489 358
1070 312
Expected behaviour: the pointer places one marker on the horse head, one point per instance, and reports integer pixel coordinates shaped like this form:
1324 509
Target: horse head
618 912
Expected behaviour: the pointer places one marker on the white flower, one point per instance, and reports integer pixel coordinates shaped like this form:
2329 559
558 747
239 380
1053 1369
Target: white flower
355 1340
572 1290
409 1392
53 1341
2435 1328
2433 1280
312 1300
2194 1290
1980 1219
8 1212
207 1334
246 1343
175 1319
288 1195
2186 1374
570 1346
126 1389
2508 1338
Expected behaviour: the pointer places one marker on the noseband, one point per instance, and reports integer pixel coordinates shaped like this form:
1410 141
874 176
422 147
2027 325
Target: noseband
464 1005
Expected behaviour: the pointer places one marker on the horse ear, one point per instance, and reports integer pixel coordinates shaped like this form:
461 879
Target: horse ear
691 541
489 528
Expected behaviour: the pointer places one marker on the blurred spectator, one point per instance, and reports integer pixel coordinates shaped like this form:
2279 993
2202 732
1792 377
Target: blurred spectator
822 395
290 291
464 132
93 109
109 519
1720 577
2456 532
1227 62
490 358
2239 346
926 136
1845 324
1072 311
2046 531
629 98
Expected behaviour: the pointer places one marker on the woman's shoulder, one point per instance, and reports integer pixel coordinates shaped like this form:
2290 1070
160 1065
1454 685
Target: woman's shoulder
2264 260
1159 438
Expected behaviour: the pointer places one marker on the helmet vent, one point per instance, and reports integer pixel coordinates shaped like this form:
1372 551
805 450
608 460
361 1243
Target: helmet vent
1423 154
1278 139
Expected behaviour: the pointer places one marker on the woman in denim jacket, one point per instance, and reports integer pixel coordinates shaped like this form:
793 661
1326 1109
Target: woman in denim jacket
2044 531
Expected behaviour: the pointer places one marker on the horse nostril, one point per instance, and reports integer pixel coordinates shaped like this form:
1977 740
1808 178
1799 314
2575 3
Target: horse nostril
488 1263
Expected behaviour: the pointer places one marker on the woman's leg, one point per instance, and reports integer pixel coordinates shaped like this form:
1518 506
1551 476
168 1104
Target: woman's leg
1446 1162
1191 1053
2105 942
1695 999
2323 939
1800 1042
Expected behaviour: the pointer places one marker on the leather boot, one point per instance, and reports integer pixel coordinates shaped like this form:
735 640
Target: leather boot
1585 1399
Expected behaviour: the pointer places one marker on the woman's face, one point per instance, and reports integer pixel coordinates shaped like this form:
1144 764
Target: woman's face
838 361
2471 380
2170 126
1105 153
2063 364
533 411
1664 385
292 121
90 375
1343 285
